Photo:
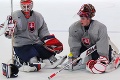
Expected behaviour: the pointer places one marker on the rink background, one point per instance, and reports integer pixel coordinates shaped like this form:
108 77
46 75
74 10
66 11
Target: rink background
59 15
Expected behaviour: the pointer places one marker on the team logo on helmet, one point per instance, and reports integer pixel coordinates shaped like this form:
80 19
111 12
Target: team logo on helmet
31 26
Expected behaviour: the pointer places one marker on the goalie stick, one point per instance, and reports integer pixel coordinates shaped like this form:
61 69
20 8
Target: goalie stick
12 33
3 28
82 56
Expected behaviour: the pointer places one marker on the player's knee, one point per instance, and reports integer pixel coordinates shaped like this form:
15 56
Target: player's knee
33 60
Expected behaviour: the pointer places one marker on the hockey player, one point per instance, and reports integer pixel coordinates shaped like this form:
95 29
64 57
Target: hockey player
32 41
88 32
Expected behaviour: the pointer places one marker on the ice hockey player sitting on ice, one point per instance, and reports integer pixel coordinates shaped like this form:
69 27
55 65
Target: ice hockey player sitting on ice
88 32
33 45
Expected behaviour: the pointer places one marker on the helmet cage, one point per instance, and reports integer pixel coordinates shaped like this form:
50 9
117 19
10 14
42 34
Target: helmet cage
26 6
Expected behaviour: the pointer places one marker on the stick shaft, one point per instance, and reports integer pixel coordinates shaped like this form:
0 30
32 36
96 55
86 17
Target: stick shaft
85 54
12 33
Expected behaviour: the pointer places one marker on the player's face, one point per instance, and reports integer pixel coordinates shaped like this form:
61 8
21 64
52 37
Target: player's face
84 21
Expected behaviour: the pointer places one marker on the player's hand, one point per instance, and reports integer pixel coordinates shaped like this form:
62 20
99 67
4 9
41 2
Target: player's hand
10 26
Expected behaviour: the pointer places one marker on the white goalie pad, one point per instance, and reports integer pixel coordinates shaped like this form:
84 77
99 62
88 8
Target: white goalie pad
32 67
53 65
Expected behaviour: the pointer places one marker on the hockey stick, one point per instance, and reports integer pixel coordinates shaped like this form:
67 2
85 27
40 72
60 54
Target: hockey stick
12 33
82 56
2 27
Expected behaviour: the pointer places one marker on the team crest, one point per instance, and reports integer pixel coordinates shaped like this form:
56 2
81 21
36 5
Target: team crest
31 26
86 41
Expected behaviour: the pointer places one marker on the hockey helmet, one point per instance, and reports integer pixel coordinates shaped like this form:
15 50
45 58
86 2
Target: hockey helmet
87 10
26 5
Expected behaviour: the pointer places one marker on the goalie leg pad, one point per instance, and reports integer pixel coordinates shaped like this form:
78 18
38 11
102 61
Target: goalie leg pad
76 67
33 67
9 70
53 64
114 63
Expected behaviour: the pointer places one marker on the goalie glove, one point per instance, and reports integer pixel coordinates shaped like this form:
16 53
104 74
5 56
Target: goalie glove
10 26
97 66
52 44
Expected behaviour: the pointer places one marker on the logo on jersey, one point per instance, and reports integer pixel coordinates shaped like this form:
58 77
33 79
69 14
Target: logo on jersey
86 41
31 26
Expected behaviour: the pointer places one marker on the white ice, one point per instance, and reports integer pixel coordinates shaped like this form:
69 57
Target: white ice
59 15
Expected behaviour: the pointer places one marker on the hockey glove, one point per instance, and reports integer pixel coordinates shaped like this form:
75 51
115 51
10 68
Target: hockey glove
52 44
71 58
10 26
97 66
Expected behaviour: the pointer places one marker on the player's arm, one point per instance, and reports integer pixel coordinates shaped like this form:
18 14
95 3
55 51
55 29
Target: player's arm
103 41
74 42
43 30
